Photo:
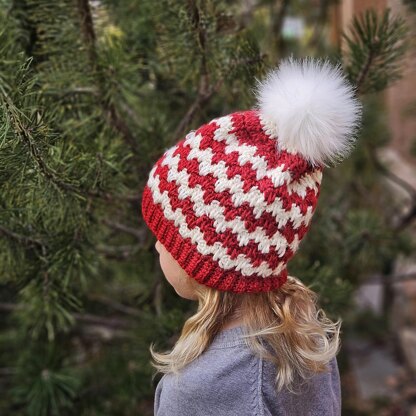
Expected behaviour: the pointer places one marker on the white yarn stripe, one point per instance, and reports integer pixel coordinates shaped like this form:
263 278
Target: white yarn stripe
246 153
307 181
216 211
219 253
253 196
268 126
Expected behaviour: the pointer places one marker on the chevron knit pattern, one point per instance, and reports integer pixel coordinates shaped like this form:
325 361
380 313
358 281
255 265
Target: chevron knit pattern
228 206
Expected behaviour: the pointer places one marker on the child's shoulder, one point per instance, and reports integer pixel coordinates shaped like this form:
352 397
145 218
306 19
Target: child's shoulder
218 364
214 380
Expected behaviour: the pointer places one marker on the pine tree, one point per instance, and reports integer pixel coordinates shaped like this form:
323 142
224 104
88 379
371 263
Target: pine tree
91 94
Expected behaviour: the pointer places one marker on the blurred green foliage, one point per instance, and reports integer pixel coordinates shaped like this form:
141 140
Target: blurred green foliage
91 94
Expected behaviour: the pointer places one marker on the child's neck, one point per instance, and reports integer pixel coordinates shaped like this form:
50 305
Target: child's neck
235 320
232 324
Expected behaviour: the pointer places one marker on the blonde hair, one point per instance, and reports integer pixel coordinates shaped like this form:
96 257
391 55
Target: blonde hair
302 338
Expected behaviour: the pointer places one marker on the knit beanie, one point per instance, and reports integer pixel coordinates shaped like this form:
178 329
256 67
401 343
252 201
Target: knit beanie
232 200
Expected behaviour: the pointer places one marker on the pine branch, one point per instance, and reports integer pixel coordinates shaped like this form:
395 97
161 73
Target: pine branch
407 219
74 91
24 132
362 76
406 186
202 98
319 23
22 239
79 317
118 252
376 47
411 4
202 38
277 24
101 320
139 234
399 181
110 111
117 306
97 193
87 28
205 91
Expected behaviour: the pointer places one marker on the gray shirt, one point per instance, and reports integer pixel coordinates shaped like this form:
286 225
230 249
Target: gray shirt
229 380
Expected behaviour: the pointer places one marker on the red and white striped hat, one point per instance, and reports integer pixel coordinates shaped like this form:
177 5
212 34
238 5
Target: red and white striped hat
232 200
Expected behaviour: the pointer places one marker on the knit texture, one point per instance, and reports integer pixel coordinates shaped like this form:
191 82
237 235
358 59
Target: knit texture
229 207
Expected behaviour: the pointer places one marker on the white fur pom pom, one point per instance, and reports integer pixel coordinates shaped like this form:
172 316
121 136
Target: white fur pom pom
312 106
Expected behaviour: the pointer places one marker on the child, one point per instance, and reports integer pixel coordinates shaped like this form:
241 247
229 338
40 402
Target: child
229 205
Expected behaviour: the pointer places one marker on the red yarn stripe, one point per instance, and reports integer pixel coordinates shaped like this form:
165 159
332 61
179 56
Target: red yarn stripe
227 238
